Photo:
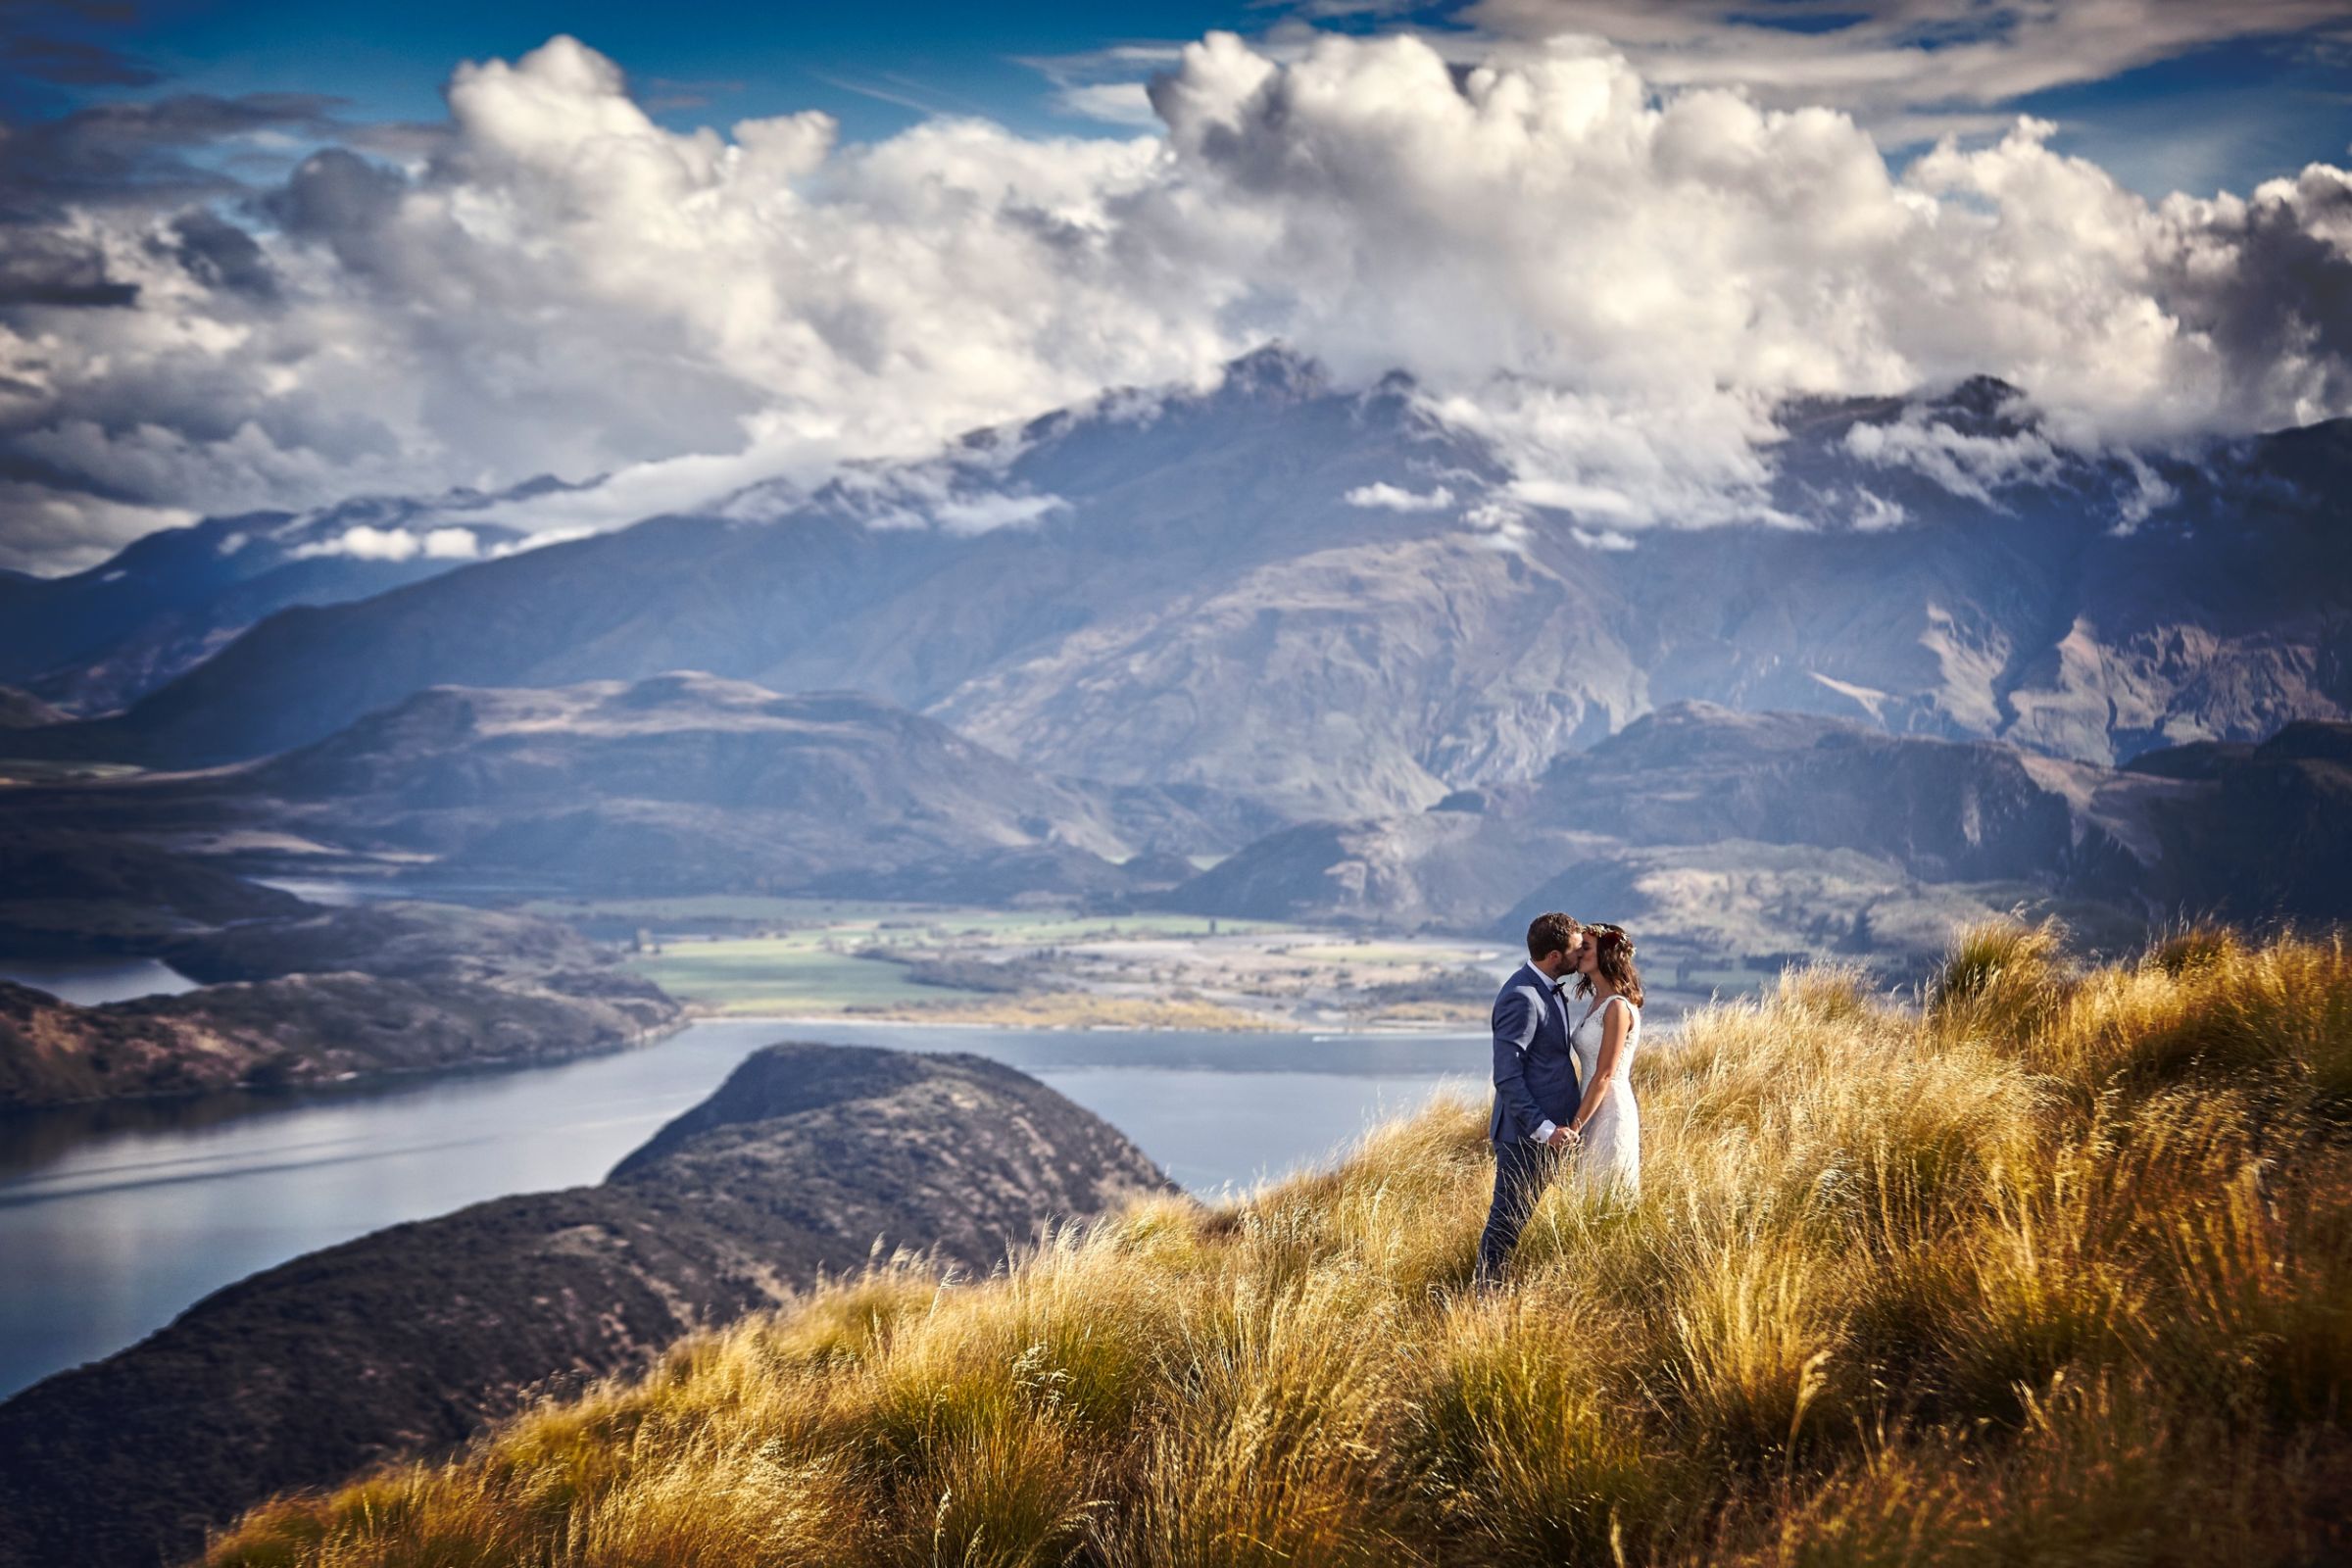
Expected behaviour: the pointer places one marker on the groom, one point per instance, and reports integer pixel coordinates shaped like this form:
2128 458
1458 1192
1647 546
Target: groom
1535 1086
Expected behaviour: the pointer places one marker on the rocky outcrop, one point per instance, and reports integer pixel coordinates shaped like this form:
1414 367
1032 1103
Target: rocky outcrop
809 1159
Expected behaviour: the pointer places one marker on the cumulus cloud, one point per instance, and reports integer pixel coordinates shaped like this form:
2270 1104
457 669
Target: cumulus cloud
1616 283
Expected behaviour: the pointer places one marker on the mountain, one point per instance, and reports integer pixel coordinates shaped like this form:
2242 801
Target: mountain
407 1340
101 638
685 780
1335 604
1731 833
329 996
677 782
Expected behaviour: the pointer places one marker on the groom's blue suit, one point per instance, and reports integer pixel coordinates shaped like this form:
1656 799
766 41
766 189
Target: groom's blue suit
1535 1091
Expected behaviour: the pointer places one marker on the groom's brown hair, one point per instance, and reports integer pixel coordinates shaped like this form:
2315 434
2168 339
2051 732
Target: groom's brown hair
1551 934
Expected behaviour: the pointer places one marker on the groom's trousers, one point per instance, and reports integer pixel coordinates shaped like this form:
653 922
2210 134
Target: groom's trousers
1523 1168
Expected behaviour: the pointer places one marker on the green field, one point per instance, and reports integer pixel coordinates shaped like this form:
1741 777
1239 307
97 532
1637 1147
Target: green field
886 921
815 968
1391 954
1023 928
794 974
657 912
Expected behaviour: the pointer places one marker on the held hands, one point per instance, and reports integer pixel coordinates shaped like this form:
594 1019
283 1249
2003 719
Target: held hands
1562 1136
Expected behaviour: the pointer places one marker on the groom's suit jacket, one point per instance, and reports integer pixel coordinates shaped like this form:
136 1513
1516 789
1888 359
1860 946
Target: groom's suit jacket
1535 1066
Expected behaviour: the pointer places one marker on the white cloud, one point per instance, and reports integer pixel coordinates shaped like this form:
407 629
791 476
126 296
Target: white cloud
1889 62
1394 498
1965 463
980 513
1114 103
1615 285
362 542
1872 512
1601 539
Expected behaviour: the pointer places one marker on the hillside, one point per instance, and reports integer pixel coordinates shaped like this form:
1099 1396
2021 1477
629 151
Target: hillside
70 891
2054 1269
681 781
327 996
802 1162
1331 603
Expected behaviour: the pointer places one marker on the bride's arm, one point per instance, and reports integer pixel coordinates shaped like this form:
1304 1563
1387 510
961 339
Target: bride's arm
1612 1041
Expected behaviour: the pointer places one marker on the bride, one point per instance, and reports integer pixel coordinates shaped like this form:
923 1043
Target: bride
1607 1123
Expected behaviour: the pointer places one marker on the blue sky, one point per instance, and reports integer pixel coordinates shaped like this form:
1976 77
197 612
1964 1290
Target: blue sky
2222 110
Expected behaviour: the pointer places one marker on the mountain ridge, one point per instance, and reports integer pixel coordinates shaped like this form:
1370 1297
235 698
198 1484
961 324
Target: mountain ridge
1696 811
102 637
1258 590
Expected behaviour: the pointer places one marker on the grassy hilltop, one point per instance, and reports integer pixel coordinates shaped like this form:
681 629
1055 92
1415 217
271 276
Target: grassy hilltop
2055 1269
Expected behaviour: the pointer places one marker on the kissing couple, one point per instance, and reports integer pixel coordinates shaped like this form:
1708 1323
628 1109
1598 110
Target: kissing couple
1563 1092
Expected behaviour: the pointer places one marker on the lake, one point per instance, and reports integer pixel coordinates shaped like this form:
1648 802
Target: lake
115 1218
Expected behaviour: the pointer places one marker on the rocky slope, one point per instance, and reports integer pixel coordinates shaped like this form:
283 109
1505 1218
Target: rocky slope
332 994
808 1158
1336 605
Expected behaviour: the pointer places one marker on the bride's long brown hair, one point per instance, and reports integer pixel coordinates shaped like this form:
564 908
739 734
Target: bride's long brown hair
1613 957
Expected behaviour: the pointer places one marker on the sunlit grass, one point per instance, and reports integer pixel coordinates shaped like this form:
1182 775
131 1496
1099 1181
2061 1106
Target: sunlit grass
2053 1268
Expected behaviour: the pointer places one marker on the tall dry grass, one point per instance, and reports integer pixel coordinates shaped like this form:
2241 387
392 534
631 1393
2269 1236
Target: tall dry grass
2047 1267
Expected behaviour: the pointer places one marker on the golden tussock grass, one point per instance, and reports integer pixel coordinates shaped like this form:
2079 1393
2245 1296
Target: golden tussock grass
2053 1266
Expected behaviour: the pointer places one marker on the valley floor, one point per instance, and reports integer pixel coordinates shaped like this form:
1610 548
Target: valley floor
808 960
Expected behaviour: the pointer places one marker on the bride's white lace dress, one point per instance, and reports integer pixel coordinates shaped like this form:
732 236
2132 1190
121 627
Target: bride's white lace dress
1609 1158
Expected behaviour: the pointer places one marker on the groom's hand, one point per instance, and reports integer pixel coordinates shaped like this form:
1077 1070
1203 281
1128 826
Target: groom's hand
1561 1138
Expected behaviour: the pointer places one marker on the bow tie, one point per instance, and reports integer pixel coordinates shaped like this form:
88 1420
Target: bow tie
1559 987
